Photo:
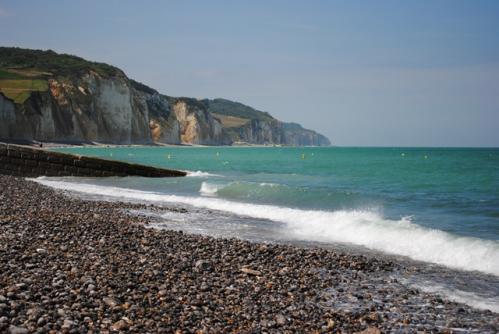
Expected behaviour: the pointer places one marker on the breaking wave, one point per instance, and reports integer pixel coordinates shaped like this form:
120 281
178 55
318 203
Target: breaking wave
360 227
209 189
236 189
200 174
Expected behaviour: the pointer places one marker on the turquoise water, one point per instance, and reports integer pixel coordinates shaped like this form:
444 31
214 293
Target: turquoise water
454 190
434 209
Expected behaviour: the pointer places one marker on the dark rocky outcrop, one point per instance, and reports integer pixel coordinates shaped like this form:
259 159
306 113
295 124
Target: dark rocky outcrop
80 101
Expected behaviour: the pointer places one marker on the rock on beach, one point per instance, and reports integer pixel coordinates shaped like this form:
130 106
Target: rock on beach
75 266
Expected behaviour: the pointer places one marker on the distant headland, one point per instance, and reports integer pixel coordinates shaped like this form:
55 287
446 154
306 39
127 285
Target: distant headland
51 97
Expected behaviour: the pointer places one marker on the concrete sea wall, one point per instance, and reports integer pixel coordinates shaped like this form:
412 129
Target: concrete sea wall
31 162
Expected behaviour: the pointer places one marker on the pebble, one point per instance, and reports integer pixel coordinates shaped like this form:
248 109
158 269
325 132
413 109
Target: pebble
17 330
120 325
280 319
68 324
70 265
202 265
251 271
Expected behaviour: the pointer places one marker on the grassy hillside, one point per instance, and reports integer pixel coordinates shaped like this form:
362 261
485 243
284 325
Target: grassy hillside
18 86
23 71
9 75
50 62
235 109
20 90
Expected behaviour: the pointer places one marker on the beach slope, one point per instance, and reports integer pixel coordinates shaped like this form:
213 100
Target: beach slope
73 265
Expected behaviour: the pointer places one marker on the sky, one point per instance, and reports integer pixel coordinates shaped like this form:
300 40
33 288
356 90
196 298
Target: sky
364 73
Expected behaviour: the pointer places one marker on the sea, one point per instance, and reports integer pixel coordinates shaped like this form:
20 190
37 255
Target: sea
433 210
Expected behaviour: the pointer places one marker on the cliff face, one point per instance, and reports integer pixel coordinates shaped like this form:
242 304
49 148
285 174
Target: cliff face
49 97
247 125
163 126
280 133
107 110
197 125
90 108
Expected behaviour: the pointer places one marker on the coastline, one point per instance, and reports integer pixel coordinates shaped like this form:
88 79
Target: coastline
101 145
55 145
80 265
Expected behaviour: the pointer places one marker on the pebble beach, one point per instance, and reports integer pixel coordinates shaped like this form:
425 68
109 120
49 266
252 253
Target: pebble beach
75 266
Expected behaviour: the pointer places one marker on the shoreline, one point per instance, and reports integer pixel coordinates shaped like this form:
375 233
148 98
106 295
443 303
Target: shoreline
80 265
52 145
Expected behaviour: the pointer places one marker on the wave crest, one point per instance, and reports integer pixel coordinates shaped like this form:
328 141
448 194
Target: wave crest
200 174
360 227
209 189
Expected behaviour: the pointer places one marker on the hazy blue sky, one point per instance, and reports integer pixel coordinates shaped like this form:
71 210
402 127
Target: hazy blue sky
361 72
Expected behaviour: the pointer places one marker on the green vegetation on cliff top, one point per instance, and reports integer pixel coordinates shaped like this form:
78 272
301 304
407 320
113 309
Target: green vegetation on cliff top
236 109
23 71
9 75
18 87
52 62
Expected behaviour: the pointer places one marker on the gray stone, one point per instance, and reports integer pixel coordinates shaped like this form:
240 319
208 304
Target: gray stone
17 330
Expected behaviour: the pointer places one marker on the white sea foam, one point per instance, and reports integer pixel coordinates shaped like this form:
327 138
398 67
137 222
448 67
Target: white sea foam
269 184
200 174
212 188
459 296
365 228
209 189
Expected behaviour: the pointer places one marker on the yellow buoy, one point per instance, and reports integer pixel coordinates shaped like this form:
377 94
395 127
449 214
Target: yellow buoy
218 154
303 155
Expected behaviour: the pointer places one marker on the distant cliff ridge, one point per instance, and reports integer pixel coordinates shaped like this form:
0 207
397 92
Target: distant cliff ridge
47 96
